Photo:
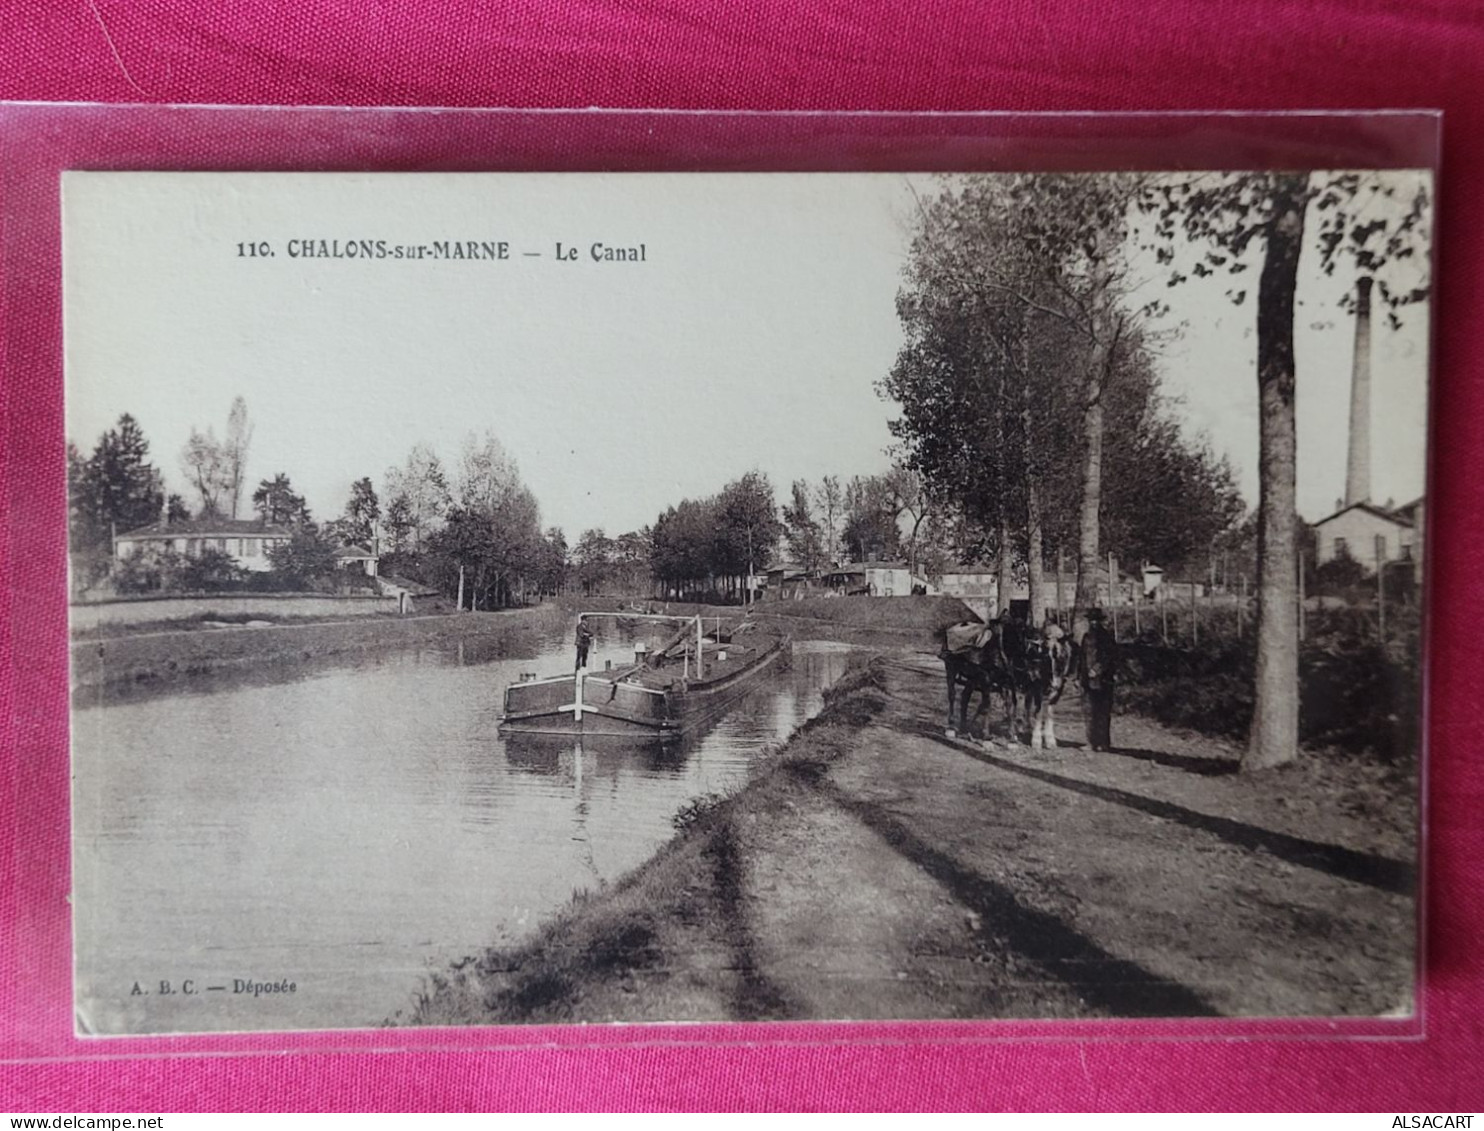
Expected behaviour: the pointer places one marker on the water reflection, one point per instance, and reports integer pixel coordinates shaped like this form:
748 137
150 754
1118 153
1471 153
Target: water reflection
354 826
549 755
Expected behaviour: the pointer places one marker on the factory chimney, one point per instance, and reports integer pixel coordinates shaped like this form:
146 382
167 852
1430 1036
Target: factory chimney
1358 466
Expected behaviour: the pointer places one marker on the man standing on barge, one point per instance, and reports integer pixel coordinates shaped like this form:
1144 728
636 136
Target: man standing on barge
584 641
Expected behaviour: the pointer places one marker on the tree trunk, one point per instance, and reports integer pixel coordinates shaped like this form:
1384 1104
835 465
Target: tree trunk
1034 548
1274 736
1034 559
1002 561
1089 558
1100 364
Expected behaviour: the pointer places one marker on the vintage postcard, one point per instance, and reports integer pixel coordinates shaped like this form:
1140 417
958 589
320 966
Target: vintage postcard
517 598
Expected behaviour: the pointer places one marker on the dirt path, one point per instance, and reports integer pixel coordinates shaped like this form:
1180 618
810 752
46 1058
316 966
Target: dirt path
881 870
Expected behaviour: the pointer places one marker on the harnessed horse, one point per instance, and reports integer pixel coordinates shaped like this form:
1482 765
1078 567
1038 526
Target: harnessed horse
974 660
1048 659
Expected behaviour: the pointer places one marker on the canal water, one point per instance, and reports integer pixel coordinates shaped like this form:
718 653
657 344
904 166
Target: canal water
347 831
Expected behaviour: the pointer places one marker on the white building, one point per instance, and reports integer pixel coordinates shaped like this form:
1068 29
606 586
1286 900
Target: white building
878 579
246 540
1366 533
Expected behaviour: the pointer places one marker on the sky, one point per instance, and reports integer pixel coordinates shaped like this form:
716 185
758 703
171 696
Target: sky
751 336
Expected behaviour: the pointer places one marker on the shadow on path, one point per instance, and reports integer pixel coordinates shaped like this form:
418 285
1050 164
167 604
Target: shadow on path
1206 767
1367 868
756 996
1105 981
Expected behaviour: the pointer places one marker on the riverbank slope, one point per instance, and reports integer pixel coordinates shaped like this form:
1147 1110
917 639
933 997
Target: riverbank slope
155 658
876 869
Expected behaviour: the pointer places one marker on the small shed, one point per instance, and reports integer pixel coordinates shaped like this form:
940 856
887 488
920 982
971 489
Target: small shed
358 557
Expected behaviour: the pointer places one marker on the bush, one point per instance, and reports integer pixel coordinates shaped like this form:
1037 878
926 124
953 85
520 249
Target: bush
305 562
1339 575
1356 693
146 571
698 810
353 580
211 571
168 571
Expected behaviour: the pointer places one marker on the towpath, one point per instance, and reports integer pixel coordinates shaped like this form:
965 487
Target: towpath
883 870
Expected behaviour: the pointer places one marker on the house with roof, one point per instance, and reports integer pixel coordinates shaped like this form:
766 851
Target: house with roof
1367 532
247 540
357 556
876 578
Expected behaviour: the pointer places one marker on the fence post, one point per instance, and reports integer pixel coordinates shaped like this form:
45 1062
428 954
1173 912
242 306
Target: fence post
1113 591
1381 586
1195 617
1164 615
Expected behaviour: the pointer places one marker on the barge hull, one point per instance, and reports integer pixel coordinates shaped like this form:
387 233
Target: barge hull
612 707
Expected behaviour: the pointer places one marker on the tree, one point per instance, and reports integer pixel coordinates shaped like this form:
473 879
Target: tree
991 262
1231 218
914 509
211 571
147 571
682 545
216 468
871 512
491 536
82 525
486 471
631 553
830 501
398 524
950 384
551 562
113 490
748 529
362 509
203 460
802 533
276 502
592 560
305 560
1166 496
1341 573
234 453
421 485
458 550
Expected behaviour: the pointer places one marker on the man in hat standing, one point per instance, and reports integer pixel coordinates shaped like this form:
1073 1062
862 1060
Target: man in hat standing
584 641
1097 667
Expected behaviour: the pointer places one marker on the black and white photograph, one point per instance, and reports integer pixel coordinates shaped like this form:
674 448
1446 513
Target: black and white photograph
513 598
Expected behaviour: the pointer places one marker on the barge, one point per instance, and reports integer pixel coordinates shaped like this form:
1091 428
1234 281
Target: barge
690 679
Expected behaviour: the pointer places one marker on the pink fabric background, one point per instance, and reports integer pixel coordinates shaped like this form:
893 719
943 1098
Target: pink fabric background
866 54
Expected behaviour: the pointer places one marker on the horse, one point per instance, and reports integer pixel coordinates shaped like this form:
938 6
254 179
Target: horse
974 659
1048 663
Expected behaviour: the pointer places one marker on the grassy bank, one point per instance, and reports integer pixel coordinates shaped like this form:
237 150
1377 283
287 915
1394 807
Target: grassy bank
155 658
680 911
